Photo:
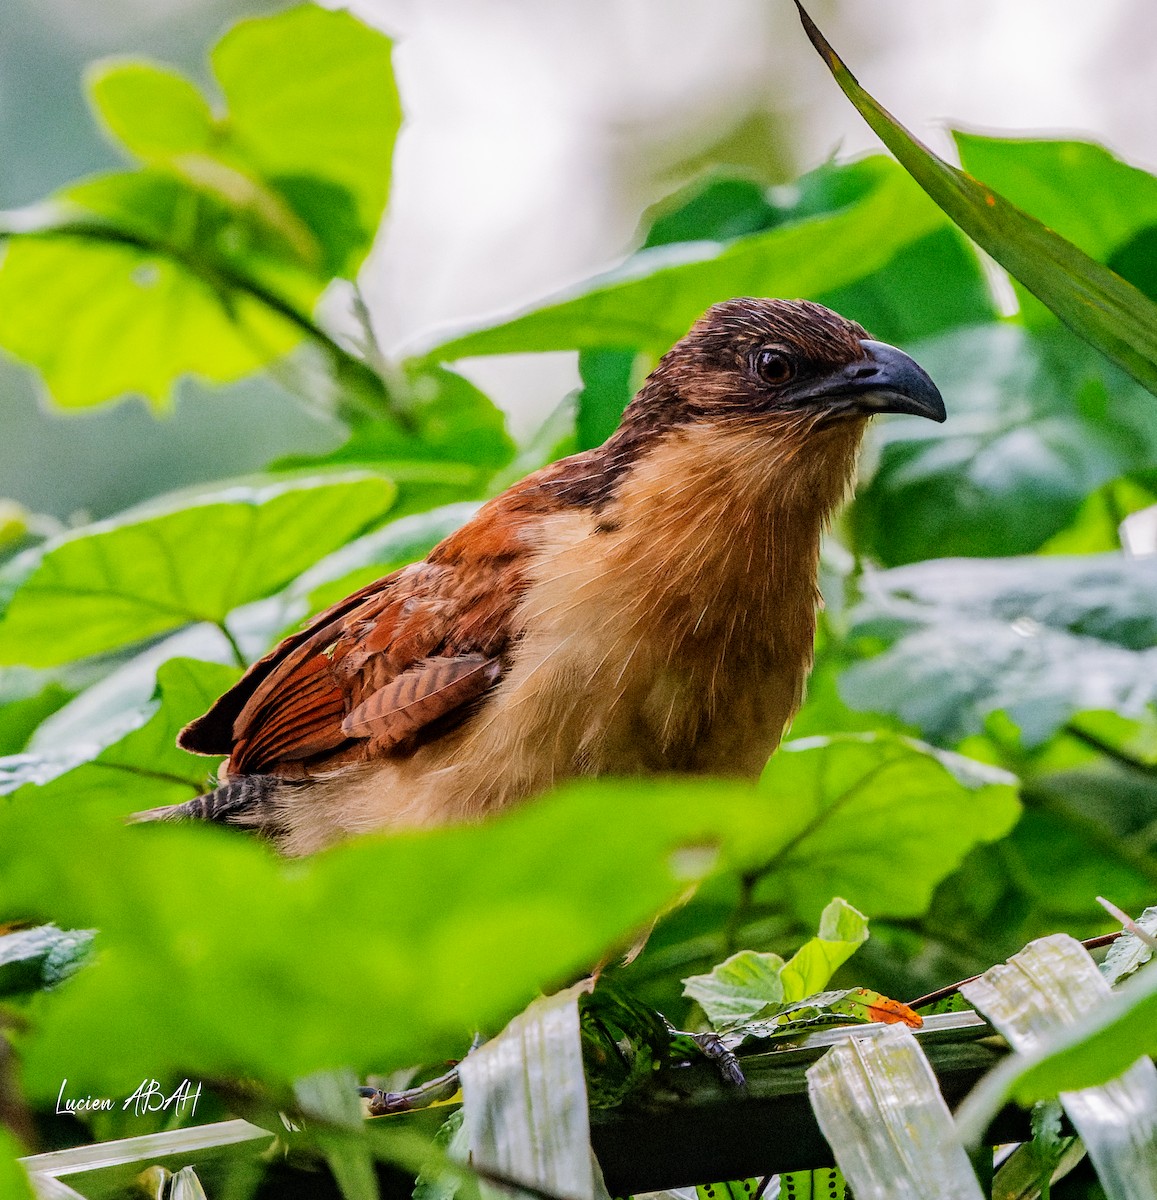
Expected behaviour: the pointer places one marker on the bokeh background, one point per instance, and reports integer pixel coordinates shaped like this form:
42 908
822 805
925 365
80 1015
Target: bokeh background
537 135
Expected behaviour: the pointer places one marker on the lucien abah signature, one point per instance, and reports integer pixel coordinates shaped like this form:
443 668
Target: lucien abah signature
149 1097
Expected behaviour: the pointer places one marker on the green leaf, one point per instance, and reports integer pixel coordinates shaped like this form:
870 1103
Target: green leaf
143 767
196 969
843 930
13 1178
1038 638
311 97
749 983
101 320
119 582
879 819
736 990
153 111
715 207
1038 423
1078 189
657 296
31 959
1093 301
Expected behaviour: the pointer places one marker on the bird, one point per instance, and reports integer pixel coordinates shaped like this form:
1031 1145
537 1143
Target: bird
646 607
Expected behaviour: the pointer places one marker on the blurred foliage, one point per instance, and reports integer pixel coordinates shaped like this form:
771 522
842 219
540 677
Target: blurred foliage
985 636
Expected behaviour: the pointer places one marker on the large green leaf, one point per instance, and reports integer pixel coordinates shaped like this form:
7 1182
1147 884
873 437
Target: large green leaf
472 925
654 299
195 969
101 320
1039 638
880 820
121 581
209 260
1038 422
1092 300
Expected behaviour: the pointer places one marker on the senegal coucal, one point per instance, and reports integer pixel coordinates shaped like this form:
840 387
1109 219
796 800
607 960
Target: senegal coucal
647 606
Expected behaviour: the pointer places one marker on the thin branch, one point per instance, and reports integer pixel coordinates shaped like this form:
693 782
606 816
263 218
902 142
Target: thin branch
1108 750
1093 943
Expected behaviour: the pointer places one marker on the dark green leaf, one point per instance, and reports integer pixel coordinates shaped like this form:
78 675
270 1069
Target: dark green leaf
717 208
122 581
1093 301
143 767
609 380
1039 638
31 959
1036 423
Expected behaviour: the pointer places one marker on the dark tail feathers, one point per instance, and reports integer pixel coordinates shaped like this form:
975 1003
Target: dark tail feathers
250 800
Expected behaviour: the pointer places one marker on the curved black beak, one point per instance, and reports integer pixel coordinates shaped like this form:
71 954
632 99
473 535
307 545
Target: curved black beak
884 380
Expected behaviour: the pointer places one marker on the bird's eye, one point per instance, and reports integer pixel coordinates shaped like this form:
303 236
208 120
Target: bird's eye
774 366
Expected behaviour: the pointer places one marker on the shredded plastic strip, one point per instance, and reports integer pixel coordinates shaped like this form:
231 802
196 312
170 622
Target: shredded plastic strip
878 1104
1050 984
524 1102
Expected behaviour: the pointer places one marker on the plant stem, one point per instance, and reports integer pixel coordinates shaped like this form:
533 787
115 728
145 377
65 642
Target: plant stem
1109 751
234 645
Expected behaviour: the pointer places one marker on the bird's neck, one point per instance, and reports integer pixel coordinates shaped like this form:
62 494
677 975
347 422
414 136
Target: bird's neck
723 528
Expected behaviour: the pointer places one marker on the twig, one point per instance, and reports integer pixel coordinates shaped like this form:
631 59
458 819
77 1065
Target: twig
1110 751
1093 943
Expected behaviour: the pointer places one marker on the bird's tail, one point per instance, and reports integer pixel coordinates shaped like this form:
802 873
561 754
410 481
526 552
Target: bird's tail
250 800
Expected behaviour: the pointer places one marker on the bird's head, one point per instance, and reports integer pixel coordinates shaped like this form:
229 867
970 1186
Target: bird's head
784 362
776 394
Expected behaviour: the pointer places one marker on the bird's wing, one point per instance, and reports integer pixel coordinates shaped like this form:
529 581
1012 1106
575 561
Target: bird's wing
405 655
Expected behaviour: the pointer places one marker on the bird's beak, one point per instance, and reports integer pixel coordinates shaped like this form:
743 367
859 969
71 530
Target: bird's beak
886 380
